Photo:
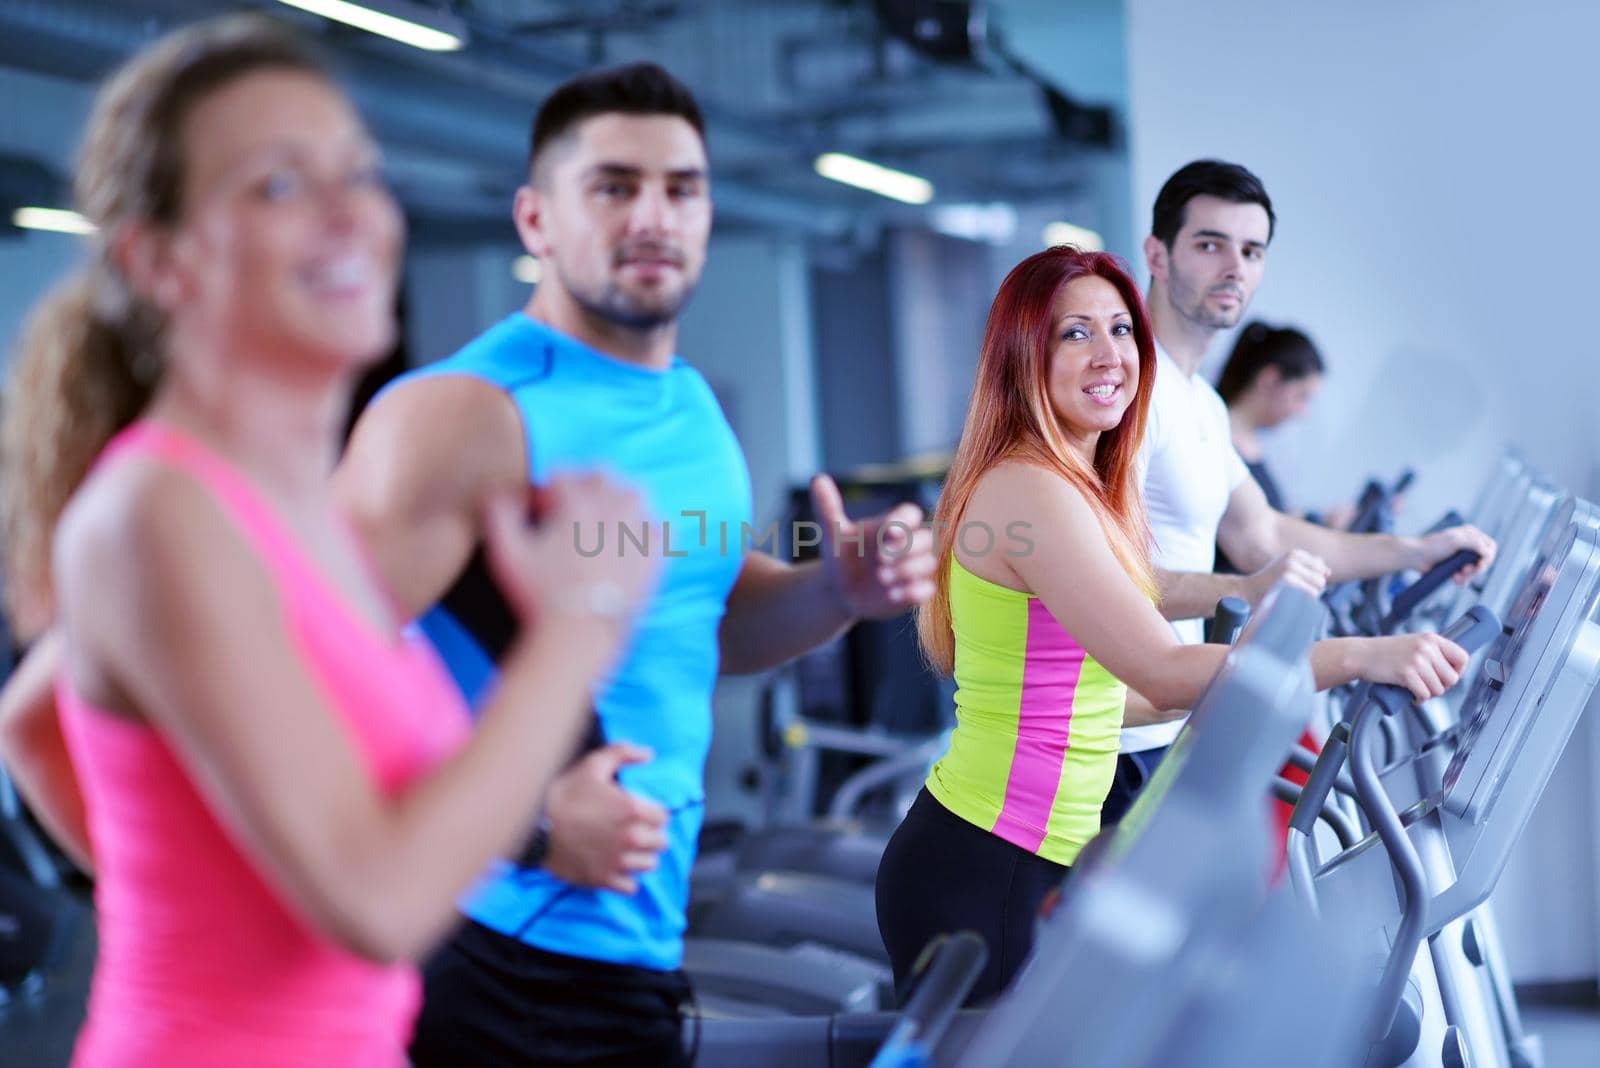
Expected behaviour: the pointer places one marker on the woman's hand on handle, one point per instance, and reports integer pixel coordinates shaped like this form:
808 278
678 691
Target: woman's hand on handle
1425 664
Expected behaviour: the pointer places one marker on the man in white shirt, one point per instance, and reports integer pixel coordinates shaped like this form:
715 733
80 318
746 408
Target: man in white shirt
1206 253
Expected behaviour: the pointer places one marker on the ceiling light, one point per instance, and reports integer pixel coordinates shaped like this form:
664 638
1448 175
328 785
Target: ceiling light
875 178
56 220
995 223
527 269
409 23
1065 233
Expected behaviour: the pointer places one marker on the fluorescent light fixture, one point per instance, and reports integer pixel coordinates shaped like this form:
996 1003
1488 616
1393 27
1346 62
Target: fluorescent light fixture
527 269
412 24
1065 233
875 178
995 223
56 220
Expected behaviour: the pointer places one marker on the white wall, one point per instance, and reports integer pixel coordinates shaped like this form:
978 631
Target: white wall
1433 167
1433 177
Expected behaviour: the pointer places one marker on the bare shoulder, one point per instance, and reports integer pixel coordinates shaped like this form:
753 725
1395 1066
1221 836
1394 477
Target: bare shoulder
140 519
148 569
1017 491
442 437
1018 511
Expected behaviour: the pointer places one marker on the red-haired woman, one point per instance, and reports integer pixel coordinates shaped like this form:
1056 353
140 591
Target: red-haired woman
1045 615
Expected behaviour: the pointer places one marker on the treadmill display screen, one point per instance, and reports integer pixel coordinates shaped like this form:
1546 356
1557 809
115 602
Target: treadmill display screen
1478 708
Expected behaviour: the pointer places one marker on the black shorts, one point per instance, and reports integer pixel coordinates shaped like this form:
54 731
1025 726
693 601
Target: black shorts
490 1000
941 874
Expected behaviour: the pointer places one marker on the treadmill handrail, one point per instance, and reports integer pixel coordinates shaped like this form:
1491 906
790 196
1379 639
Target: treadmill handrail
1406 601
1471 631
1342 826
957 961
1313 801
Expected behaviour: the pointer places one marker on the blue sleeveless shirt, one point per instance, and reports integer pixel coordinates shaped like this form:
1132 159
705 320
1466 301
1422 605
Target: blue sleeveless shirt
663 432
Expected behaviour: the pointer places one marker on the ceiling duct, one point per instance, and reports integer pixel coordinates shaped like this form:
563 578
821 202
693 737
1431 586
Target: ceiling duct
952 31
24 180
1079 124
460 108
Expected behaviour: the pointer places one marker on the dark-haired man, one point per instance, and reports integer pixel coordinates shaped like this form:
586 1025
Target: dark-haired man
1207 252
570 953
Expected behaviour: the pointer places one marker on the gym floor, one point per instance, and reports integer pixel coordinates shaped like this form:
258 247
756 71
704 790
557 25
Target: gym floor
37 1032
1571 1032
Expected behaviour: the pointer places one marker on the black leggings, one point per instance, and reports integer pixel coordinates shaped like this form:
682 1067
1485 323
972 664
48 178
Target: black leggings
940 874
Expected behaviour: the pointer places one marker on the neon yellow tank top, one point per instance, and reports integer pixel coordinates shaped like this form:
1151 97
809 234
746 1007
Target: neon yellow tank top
1037 723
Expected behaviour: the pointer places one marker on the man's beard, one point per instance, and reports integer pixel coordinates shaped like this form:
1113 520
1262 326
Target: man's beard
609 302
1197 311
619 309
1214 320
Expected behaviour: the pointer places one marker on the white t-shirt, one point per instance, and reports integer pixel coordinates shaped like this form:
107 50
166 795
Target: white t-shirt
1188 468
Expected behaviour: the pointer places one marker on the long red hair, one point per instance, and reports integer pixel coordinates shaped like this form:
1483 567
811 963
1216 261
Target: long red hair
1010 417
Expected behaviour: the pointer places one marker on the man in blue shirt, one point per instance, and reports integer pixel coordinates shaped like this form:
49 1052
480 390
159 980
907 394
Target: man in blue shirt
570 953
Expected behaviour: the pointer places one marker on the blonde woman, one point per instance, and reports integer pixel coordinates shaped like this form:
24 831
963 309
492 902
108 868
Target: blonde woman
282 796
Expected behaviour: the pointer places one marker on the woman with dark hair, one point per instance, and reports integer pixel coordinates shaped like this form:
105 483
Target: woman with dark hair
1272 376
281 795
1044 613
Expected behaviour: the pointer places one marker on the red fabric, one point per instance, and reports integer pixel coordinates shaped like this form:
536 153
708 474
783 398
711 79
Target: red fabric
1282 810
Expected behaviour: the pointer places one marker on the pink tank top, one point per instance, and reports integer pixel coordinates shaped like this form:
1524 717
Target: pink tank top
200 962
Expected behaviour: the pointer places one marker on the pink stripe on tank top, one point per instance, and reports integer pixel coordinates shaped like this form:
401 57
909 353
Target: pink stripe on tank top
1044 729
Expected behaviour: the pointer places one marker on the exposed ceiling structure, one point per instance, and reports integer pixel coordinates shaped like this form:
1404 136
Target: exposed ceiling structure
938 88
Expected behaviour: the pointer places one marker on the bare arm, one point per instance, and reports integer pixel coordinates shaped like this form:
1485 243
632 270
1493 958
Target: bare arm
420 463
869 569
1426 665
776 611
36 753
1138 712
1252 533
1194 594
1089 594
191 636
